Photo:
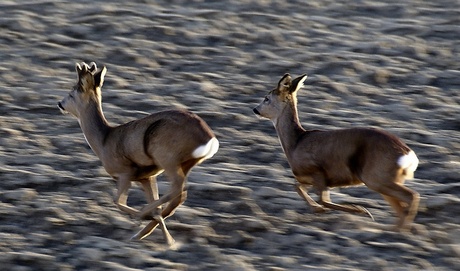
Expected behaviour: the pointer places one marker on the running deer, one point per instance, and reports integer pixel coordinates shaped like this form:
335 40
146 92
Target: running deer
336 158
169 141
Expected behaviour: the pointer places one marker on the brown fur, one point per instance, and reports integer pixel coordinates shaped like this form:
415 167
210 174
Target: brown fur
141 149
338 158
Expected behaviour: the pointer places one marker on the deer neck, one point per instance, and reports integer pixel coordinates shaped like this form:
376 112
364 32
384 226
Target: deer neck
288 128
94 126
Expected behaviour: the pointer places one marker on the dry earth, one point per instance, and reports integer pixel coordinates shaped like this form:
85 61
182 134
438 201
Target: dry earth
395 66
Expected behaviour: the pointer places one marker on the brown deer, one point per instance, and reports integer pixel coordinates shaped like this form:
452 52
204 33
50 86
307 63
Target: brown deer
337 158
169 141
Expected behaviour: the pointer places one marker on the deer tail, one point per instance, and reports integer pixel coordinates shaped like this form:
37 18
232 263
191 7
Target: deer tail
408 163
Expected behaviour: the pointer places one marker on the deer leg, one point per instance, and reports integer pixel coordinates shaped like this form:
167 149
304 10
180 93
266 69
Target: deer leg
302 190
177 186
407 200
176 197
397 207
124 183
325 200
150 187
167 212
146 231
151 192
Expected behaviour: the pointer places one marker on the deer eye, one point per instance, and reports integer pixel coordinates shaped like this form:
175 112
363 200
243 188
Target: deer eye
266 99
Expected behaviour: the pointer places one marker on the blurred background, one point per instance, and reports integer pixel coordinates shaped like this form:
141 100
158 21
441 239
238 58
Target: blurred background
392 65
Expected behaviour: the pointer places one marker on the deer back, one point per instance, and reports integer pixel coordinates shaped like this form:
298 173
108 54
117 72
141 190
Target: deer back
343 155
161 138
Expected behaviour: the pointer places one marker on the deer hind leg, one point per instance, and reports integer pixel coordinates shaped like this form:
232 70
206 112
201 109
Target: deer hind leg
403 200
325 200
178 186
397 207
167 212
151 192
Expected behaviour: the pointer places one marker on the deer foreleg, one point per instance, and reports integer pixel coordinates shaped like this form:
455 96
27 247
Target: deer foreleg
122 196
302 190
325 200
151 192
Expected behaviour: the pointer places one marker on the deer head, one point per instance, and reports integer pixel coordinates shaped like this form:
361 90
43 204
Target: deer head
283 95
86 92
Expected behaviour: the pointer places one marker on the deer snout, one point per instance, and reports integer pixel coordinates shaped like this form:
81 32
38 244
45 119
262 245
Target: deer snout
256 111
61 108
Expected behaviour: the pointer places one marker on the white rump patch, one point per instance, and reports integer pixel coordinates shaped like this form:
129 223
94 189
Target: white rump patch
207 150
409 163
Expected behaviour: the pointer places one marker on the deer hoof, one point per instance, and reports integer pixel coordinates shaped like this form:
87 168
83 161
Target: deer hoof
364 211
319 209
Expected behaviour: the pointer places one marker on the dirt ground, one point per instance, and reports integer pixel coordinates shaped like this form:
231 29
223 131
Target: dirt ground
392 65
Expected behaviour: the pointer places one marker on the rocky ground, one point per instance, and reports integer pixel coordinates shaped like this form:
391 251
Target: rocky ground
395 66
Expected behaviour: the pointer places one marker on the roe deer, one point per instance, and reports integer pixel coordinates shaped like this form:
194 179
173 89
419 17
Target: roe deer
324 159
171 141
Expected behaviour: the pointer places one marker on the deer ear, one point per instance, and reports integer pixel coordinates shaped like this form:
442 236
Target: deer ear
298 83
99 77
285 82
